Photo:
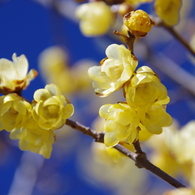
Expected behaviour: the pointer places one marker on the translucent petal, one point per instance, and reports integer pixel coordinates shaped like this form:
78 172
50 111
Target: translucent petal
123 133
7 69
104 111
53 89
21 65
51 101
20 107
112 51
41 94
110 139
68 111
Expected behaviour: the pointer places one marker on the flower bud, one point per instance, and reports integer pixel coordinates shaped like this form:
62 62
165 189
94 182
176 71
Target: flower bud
138 22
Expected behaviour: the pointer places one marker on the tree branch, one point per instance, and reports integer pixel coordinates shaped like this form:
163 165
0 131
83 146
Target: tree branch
174 33
139 157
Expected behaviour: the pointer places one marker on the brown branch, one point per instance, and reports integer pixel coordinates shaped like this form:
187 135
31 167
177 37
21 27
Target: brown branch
174 33
138 157
129 39
172 70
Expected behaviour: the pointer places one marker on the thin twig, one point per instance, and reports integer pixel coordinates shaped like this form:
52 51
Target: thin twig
174 33
129 39
139 158
171 69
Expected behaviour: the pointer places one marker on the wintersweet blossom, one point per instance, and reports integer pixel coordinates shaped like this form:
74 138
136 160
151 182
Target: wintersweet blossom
138 22
51 108
13 75
168 154
144 88
186 135
168 11
14 111
116 70
96 18
53 63
121 123
33 138
181 191
103 169
163 154
137 2
155 118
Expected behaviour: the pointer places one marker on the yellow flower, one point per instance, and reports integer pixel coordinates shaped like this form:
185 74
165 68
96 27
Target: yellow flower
116 70
115 155
181 191
51 108
163 154
13 75
53 63
186 135
120 125
96 18
155 118
34 139
174 151
14 111
144 88
137 2
168 11
138 22
101 167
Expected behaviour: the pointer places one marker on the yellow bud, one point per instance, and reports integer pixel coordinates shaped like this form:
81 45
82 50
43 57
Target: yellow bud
138 22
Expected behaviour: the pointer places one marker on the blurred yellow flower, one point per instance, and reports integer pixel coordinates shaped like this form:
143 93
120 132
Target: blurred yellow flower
114 173
34 139
13 75
116 70
138 22
96 18
167 149
137 2
180 191
51 108
120 125
144 88
14 111
185 138
54 67
168 11
53 64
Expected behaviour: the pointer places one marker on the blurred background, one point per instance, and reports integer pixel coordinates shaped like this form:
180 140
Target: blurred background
48 33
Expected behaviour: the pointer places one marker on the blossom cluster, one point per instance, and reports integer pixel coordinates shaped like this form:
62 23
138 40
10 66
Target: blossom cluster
146 97
175 160
98 17
32 123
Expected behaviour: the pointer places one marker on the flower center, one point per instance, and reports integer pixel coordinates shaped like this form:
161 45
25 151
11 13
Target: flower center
51 111
115 72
